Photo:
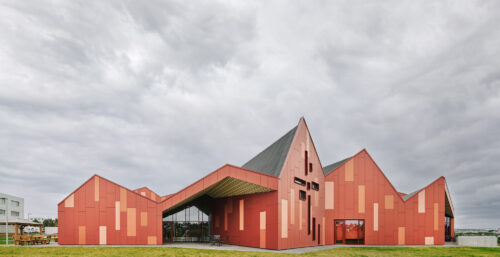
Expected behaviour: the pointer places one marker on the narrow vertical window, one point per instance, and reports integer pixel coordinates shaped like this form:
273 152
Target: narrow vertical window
314 229
310 167
319 234
308 214
306 162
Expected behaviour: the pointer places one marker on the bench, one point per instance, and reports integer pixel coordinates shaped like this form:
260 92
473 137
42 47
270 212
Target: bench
26 239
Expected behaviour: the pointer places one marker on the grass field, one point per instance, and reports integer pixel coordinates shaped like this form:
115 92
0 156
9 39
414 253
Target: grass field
2 240
168 251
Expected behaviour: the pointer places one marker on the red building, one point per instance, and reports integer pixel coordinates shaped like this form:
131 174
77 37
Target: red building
282 198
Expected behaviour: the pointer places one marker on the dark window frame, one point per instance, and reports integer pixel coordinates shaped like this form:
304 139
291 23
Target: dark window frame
315 186
361 224
319 234
308 214
302 195
306 162
299 181
314 228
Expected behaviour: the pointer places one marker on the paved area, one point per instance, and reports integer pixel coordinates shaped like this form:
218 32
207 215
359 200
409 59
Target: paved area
226 247
252 249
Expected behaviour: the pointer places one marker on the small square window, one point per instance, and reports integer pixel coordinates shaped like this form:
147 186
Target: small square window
14 213
302 195
2 212
315 186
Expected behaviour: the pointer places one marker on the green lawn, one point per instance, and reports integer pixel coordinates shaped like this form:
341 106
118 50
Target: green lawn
2 240
167 251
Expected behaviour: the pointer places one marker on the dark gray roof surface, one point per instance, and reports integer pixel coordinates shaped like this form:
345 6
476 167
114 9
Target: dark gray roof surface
271 160
406 197
331 167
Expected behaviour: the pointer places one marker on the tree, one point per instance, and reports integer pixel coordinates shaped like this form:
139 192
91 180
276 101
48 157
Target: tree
50 222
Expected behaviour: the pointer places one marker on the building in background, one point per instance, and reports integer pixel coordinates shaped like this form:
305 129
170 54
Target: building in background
50 230
282 198
15 209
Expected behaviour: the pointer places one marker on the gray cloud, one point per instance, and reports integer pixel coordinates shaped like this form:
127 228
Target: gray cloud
162 93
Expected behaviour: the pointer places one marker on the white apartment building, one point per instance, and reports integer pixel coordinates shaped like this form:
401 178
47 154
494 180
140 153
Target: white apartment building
11 207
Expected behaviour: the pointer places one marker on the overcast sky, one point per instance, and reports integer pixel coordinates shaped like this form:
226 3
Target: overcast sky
161 93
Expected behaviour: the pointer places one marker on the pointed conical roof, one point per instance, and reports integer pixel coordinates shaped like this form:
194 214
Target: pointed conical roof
271 160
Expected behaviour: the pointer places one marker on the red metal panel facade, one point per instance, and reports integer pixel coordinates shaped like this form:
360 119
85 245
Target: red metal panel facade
251 234
144 191
417 225
81 223
102 212
297 234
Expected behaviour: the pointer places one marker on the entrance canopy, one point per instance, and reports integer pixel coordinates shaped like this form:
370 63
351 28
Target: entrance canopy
224 182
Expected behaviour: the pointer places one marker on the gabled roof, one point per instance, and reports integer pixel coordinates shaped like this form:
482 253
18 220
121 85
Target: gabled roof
449 210
115 184
271 160
333 166
408 196
378 168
